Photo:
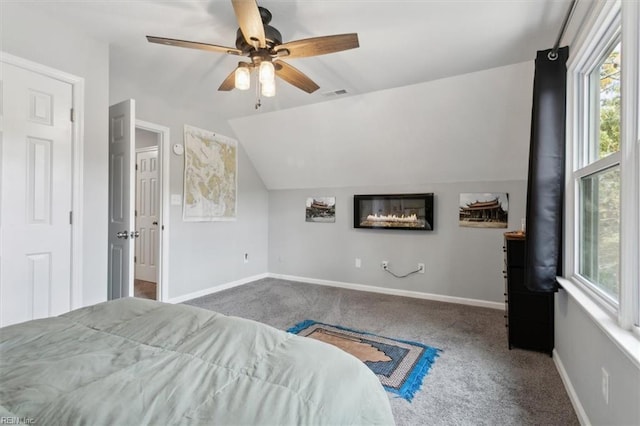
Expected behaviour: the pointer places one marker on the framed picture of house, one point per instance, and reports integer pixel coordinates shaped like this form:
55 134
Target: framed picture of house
484 209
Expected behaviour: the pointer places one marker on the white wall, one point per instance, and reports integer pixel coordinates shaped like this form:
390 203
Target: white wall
146 138
33 36
466 133
459 262
465 128
203 255
584 349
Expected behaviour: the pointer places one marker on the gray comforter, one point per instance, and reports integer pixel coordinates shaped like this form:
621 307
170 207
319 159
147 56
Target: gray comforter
134 362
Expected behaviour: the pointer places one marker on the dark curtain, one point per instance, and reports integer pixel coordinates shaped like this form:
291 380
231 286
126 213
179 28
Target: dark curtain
545 187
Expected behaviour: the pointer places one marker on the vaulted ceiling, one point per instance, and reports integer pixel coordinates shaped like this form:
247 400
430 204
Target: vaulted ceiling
403 43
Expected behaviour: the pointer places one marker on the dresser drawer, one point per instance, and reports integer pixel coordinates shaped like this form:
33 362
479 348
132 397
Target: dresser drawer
515 253
515 277
530 306
533 335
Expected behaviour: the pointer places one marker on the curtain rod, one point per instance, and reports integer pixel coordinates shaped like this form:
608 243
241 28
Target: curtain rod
554 52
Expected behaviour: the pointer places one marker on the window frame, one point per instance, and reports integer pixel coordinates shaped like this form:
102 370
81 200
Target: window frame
609 23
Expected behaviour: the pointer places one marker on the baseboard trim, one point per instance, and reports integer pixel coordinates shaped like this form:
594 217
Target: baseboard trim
573 396
340 284
392 291
217 288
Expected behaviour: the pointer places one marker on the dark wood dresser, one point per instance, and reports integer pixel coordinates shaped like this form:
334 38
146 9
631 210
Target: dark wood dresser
529 315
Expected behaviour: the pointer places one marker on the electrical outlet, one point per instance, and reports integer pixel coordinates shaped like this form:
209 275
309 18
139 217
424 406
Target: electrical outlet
358 262
384 264
246 258
605 386
421 268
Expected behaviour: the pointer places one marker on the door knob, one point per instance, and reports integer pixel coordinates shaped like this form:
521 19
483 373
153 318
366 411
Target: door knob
122 234
134 234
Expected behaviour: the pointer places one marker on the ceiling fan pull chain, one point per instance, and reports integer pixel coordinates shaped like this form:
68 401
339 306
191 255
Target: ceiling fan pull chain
258 103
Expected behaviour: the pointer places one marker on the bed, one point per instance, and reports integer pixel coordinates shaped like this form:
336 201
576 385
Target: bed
135 361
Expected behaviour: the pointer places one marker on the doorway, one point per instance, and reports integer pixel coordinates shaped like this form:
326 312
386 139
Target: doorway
151 214
145 282
138 205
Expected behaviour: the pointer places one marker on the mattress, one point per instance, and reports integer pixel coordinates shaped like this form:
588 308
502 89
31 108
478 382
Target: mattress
135 361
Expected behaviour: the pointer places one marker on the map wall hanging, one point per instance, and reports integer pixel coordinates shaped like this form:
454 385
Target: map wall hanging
210 176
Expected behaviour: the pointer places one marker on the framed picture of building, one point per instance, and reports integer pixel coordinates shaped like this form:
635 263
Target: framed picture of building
484 209
320 209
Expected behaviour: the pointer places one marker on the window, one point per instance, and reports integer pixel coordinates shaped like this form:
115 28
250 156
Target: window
600 231
598 171
604 89
603 177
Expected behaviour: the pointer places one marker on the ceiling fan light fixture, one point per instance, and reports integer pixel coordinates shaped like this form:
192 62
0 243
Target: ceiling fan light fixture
267 73
268 89
243 78
262 44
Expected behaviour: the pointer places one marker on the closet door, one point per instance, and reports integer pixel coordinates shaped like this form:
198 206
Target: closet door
35 228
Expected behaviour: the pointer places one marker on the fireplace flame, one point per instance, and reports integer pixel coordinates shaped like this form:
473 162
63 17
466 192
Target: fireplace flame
393 218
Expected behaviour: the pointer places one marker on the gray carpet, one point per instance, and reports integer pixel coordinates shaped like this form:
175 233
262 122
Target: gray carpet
476 380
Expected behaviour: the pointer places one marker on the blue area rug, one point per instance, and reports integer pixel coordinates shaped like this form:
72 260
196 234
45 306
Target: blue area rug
400 365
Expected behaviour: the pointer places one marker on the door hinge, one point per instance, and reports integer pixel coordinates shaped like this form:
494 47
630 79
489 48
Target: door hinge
72 115
70 218
135 259
136 167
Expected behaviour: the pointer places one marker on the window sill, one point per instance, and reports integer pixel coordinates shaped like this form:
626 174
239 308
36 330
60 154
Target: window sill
627 340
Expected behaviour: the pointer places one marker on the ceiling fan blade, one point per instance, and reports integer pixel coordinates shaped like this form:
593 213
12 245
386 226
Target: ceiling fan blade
294 77
250 22
194 45
317 45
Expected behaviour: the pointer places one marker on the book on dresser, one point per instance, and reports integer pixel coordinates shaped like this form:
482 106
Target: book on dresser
529 315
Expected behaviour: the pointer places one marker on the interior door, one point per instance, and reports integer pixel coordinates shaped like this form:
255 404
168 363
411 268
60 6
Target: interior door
121 198
35 207
146 262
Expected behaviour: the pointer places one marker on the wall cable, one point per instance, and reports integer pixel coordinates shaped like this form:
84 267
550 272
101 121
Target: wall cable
386 268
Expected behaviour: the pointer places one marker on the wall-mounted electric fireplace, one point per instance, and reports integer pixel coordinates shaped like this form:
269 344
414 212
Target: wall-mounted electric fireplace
394 211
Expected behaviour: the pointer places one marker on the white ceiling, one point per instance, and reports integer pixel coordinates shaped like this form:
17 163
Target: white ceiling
300 140
402 42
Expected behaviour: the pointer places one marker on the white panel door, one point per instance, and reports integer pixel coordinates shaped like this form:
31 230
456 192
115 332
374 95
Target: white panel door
121 198
35 229
147 215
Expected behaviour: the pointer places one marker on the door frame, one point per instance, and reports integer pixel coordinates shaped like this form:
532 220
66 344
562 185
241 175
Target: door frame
164 144
77 171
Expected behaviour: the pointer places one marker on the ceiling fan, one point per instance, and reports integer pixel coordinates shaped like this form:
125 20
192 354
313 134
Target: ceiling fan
262 43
